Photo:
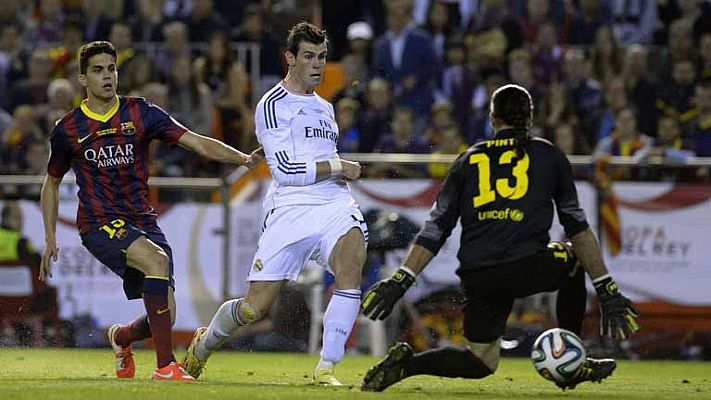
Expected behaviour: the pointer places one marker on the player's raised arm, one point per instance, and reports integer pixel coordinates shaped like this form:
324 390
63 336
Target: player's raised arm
218 151
49 201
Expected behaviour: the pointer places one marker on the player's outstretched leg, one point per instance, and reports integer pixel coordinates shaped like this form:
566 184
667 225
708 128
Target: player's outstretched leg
338 321
594 370
401 362
389 370
208 339
193 365
125 366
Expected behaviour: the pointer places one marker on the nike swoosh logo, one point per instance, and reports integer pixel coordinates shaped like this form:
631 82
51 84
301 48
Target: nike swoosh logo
79 140
166 376
161 312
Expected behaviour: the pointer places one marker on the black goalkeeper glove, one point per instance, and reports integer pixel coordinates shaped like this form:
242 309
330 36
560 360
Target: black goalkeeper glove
618 318
380 299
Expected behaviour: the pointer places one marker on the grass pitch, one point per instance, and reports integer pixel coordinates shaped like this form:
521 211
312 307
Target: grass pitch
47 374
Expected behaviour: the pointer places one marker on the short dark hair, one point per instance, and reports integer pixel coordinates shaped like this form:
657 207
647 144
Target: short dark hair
512 105
91 49
304 32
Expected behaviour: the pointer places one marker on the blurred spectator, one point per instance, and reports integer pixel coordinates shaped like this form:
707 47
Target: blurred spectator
204 20
634 21
375 118
681 45
440 26
557 109
189 101
588 18
47 26
566 139
139 72
699 129
481 127
32 90
60 96
606 56
16 139
121 37
13 60
641 88
360 37
175 46
451 142
615 100
440 119
401 138
354 80
458 82
547 55
669 143
536 15
156 93
338 18
147 22
97 24
72 39
404 55
213 65
495 14
234 122
676 97
626 140
253 30
347 120
705 55
583 92
486 49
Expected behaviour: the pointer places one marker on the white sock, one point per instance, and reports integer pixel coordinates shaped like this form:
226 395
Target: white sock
223 324
338 322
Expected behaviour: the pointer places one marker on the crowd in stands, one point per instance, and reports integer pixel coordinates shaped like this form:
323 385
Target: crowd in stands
629 78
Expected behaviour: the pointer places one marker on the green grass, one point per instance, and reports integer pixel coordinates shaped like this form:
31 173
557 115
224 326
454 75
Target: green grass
88 374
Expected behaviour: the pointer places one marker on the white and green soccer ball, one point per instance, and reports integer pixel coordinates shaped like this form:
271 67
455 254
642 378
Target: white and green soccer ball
558 354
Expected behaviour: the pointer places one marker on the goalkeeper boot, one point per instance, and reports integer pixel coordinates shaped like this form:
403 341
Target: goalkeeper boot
172 372
389 370
125 366
593 370
325 377
193 365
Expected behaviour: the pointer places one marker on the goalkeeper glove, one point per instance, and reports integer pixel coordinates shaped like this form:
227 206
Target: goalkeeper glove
618 318
380 299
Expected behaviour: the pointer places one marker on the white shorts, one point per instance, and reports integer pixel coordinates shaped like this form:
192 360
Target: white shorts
293 235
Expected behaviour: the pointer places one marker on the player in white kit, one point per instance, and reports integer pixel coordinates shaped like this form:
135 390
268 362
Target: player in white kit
310 214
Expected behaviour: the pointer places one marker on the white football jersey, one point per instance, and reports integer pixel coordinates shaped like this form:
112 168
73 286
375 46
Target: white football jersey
296 131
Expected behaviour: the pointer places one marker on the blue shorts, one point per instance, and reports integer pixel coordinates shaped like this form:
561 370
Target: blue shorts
108 243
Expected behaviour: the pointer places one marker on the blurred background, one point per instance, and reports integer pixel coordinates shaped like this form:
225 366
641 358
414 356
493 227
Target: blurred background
623 87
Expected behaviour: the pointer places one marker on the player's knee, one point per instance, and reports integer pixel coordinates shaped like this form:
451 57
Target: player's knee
161 263
249 314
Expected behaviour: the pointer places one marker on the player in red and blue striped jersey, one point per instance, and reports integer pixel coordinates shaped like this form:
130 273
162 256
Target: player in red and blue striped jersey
105 141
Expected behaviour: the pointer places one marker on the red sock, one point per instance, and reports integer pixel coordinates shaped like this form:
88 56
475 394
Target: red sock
155 298
133 332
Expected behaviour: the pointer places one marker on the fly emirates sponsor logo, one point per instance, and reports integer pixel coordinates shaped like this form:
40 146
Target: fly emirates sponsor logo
111 155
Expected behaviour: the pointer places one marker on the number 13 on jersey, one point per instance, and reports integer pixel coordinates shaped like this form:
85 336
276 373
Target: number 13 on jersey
520 175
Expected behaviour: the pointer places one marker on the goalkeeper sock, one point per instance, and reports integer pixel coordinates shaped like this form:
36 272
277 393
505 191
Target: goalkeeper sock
338 322
225 321
133 332
571 301
155 298
450 362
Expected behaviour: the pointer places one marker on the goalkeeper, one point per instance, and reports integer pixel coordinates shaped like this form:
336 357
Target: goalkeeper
503 190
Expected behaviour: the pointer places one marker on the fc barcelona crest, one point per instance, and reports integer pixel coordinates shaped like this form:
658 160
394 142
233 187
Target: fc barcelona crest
128 128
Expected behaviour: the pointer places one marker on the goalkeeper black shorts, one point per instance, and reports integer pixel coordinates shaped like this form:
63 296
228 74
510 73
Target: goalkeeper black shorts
491 290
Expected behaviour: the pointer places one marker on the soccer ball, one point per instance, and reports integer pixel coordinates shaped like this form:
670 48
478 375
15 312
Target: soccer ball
558 354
